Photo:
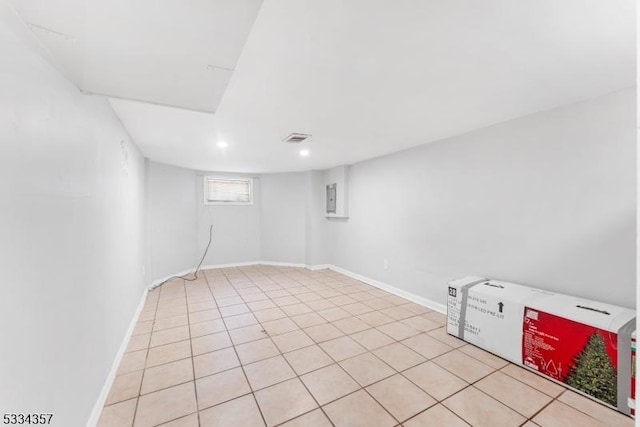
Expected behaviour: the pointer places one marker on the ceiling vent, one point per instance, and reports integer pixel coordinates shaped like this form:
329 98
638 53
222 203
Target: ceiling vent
296 138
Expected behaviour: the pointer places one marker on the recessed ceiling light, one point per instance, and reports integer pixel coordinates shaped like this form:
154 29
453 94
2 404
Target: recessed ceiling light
304 153
222 144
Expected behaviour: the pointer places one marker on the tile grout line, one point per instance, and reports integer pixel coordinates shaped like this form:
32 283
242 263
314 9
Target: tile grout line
255 399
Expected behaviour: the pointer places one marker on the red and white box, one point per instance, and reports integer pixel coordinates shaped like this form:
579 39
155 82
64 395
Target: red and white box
583 344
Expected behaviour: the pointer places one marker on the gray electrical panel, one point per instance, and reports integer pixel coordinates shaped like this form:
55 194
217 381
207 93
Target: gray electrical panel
331 198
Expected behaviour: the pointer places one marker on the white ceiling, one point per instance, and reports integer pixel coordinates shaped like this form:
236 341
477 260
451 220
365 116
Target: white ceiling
171 52
364 77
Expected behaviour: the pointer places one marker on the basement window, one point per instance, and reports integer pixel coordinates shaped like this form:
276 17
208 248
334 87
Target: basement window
228 191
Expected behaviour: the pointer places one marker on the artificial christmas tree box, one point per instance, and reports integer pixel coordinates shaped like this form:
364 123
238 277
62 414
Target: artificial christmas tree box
580 343
583 344
489 314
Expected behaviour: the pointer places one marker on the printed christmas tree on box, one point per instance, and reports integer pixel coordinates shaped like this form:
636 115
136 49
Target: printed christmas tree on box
593 373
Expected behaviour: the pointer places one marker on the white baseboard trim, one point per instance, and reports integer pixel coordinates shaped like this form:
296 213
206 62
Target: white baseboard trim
102 398
441 308
155 283
318 267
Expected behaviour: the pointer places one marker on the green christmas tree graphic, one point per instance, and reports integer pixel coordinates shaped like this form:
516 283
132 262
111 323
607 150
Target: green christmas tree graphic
593 372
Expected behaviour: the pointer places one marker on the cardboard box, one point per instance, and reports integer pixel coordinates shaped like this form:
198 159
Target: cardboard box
580 343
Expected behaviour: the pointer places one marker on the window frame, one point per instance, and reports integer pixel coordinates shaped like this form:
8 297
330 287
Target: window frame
205 190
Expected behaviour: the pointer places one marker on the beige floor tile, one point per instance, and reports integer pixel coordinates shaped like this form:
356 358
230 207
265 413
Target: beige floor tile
277 293
436 381
221 387
333 314
233 310
125 387
557 414
442 335
329 383
478 409
209 343
466 367
202 306
321 304
350 325
397 313
214 362
421 324
484 356
133 361
143 328
323 332
342 348
427 346
229 300
171 310
358 410
242 411
372 339
378 304
308 359
268 372
295 309
188 421
308 319
315 418
511 392
279 326
288 300
341 300
256 350
293 340
534 380
138 342
270 314
261 305
398 356
437 317
247 334
416 308
375 318
118 415
170 322
284 401
366 368
167 336
398 330
595 409
165 405
436 416
168 353
167 375
357 308
206 328
400 397
235 322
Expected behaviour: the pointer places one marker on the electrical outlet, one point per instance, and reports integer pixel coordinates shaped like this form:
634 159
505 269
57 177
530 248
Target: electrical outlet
386 264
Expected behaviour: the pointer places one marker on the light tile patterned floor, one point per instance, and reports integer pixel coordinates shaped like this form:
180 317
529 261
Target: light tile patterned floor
264 345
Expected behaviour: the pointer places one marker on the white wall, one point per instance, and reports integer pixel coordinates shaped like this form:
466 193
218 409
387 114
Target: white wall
172 219
71 235
547 200
274 228
283 217
316 223
236 229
